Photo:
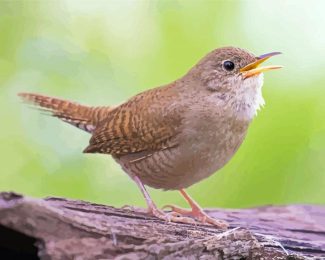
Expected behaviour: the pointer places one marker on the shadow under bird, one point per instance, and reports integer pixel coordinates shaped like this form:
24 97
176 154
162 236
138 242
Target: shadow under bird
175 135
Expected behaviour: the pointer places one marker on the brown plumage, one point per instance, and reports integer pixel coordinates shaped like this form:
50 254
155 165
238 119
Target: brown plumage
137 125
173 136
83 117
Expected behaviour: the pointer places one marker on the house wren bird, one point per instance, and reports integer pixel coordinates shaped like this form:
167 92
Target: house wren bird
173 136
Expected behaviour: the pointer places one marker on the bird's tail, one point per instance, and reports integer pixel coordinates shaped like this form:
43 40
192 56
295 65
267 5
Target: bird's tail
83 117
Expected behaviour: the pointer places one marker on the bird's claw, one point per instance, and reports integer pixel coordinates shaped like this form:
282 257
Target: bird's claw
198 214
169 217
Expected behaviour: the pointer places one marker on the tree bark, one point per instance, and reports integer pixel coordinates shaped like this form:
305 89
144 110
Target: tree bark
57 228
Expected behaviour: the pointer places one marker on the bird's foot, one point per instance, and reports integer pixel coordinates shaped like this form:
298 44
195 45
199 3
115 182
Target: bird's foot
198 214
154 211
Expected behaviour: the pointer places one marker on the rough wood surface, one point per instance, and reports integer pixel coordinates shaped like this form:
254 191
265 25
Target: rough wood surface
56 228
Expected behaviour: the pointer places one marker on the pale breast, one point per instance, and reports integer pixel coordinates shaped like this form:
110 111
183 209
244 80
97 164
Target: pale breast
202 150
208 147
212 129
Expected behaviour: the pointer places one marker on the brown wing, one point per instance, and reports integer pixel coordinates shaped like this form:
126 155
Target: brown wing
147 122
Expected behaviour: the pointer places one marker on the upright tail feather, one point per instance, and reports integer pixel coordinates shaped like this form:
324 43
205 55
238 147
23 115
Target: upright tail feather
83 117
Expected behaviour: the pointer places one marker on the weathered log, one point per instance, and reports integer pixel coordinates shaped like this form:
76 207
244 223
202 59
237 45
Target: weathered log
57 228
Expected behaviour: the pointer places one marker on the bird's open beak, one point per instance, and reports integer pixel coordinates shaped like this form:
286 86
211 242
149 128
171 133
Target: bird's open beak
252 69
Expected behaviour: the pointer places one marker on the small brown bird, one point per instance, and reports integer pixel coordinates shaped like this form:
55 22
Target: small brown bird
173 136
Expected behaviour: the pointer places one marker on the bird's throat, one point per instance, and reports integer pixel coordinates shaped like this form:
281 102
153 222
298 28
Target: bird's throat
244 101
248 99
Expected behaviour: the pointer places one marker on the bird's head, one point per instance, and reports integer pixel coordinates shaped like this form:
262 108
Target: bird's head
230 69
232 78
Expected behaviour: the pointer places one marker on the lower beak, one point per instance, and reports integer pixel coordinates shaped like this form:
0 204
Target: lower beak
252 69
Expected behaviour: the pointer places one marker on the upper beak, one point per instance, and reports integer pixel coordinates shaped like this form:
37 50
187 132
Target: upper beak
252 69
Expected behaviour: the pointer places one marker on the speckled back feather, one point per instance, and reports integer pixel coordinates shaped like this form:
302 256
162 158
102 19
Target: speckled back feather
144 123
140 124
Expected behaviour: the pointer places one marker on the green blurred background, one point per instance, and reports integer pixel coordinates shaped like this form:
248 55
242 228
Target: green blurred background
103 52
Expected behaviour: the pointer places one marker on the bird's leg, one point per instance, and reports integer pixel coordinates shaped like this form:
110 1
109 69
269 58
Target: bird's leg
152 208
195 212
154 211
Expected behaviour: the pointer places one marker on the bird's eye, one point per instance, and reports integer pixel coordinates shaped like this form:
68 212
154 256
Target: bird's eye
228 65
